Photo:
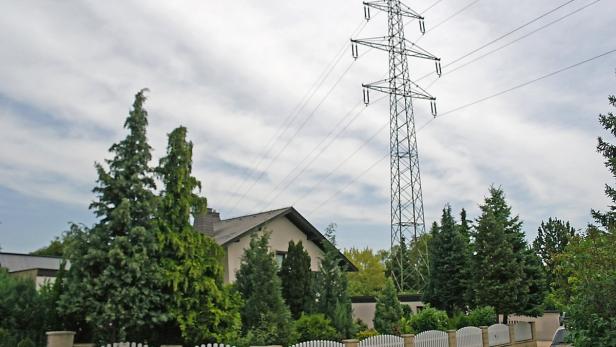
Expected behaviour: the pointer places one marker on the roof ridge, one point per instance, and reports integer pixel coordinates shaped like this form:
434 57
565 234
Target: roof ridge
256 214
31 255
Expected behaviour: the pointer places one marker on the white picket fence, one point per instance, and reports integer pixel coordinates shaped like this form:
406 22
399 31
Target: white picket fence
498 334
523 331
125 344
469 337
382 341
432 338
214 345
319 343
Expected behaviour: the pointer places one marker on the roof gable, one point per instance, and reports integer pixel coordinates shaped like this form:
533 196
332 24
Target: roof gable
232 229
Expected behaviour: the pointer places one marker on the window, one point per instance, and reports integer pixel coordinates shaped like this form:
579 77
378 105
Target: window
280 257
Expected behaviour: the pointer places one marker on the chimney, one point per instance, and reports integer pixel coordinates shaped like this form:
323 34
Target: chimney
204 223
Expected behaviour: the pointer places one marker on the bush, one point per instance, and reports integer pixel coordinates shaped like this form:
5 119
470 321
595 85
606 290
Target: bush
427 319
315 327
459 320
26 343
482 316
366 333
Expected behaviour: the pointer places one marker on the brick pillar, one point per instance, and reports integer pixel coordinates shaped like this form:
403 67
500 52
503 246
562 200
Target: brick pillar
350 343
409 340
484 336
511 333
452 338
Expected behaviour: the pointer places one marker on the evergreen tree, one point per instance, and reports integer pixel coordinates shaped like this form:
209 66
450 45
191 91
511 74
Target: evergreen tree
265 317
333 299
498 274
552 239
114 279
608 150
297 277
388 310
202 308
448 266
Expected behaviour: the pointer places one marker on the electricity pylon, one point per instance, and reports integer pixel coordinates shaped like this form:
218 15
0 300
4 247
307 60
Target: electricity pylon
407 214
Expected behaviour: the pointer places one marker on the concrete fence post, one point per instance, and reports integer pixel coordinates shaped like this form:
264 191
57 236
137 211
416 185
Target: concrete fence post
511 333
484 336
533 329
60 338
350 343
409 340
451 334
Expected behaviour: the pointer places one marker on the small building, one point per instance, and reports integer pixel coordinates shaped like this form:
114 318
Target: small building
40 269
285 224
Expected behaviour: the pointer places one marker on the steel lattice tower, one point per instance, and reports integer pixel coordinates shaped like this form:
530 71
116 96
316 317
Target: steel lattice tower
407 214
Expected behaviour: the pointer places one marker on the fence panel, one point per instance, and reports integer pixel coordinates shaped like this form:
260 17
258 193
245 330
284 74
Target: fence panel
382 341
319 343
214 345
523 331
498 334
125 344
469 337
432 338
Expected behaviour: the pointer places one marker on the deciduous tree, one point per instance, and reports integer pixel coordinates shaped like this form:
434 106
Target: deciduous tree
370 278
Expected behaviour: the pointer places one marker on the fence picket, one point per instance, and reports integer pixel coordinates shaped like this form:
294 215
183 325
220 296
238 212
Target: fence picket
318 343
469 337
498 334
432 338
382 341
523 331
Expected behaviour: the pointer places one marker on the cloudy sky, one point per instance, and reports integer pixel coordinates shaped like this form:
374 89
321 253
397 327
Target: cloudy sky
241 75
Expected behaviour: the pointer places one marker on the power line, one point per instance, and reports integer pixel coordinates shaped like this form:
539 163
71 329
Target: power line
448 18
446 73
501 37
296 112
521 85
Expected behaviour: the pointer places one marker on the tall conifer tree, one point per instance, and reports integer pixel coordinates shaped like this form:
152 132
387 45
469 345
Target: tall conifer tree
114 279
202 308
388 310
297 278
448 266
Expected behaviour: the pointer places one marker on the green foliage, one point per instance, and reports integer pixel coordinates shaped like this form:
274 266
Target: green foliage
608 150
388 310
458 320
201 308
115 279
413 258
591 261
20 308
370 278
428 318
366 333
315 327
506 275
266 320
449 266
54 249
27 342
297 280
552 238
482 316
332 294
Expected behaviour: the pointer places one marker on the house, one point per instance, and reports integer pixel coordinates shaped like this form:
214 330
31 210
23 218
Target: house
284 224
40 269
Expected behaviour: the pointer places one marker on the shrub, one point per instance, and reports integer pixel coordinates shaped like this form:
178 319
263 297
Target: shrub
407 311
429 319
482 316
366 333
388 310
459 320
26 343
315 327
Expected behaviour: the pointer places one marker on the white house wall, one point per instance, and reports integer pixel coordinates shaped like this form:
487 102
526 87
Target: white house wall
282 231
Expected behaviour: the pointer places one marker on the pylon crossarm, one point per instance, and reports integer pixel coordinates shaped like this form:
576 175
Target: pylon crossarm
383 87
404 9
414 50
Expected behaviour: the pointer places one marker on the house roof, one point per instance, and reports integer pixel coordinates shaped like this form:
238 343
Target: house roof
19 262
229 230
